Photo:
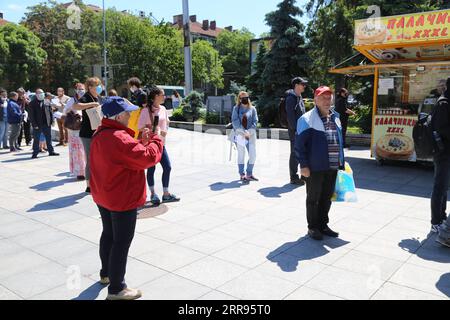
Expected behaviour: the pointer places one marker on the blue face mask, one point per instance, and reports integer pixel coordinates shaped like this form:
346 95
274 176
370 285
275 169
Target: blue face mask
99 89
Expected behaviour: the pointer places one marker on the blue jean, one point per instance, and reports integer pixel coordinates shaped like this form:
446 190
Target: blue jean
167 168
47 131
4 133
251 149
441 183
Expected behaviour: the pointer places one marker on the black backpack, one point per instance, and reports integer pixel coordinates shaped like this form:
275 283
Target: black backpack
424 141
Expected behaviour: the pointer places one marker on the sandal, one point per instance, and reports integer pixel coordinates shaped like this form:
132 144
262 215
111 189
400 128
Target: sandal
170 198
155 200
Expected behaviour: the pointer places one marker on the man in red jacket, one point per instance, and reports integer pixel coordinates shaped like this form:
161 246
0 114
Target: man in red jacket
118 163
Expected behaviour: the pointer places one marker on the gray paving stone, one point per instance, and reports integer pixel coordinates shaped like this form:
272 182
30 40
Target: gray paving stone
345 284
174 233
20 262
206 242
6 294
415 277
305 293
36 280
20 227
367 264
243 254
170 257
258 286
173 287
215 295
289 268
81 289
211 272
391 291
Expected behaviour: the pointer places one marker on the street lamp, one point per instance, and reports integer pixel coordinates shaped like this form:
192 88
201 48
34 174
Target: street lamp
187 48
105 61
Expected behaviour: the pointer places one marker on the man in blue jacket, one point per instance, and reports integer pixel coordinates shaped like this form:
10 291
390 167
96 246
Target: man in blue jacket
15 117
320 152
295 108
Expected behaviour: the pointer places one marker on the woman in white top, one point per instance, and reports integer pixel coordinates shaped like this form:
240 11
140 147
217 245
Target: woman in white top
155 111
77 158
176 100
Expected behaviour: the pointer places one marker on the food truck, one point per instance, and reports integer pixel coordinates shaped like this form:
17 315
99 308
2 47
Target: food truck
410 60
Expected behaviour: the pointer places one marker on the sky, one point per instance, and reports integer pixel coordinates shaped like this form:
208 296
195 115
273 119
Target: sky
236 13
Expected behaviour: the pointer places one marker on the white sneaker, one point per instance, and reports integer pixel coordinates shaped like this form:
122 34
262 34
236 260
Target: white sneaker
125 294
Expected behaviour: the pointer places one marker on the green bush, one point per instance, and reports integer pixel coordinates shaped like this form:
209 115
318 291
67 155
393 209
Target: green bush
212 118
363 119
177 115
193 104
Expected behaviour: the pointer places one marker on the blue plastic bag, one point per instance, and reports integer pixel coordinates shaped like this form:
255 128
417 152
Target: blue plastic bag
345 190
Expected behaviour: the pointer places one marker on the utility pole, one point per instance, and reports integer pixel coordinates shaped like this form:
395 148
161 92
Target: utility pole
187 48
105 61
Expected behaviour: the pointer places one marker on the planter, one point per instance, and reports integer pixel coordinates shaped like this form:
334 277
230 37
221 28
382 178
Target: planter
263 133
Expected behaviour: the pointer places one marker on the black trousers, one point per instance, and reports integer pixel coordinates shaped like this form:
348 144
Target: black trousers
25 130
344 123
319 190
293 163
440 188
117 235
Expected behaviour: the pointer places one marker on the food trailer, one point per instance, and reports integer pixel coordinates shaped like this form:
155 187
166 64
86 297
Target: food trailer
410 62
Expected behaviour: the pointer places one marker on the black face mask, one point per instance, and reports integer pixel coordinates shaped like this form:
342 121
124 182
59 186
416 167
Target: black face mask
245 100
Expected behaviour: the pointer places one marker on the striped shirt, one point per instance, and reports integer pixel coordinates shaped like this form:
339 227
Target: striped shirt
333 142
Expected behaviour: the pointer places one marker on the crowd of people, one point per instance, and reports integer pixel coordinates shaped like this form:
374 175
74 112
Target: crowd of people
115 143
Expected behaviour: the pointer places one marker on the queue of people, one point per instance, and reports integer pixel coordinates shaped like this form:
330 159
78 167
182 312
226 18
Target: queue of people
124 148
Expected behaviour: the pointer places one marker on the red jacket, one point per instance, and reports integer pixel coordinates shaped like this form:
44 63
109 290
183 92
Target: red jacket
118 164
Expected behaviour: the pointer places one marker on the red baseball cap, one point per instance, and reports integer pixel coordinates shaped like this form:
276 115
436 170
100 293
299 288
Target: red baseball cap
321 90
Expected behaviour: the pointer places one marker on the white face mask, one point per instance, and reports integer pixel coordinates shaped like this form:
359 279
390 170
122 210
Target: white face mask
133 89
40 96
81 92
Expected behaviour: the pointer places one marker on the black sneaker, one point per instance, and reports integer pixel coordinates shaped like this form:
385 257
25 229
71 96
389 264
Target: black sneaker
88 190
330 233
297 181
34 156
54 154
315 234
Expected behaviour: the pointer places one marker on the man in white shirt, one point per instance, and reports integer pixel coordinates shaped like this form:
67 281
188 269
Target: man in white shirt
58 105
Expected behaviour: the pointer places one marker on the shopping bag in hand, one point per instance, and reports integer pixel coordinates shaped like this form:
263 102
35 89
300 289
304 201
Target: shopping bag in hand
345 190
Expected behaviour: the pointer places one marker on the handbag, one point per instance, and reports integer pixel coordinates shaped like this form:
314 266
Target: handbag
72 121
345 190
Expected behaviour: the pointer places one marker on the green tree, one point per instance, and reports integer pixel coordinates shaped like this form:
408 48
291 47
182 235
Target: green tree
138 48
233 48
20 56
69 51
206 65
254 81
287 58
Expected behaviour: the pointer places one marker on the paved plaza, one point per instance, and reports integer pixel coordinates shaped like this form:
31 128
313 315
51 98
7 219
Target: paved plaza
224 240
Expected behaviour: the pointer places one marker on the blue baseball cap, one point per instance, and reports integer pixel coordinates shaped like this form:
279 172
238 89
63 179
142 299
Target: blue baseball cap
112 106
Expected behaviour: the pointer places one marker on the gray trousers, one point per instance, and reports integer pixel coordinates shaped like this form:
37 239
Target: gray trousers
14 135
87 151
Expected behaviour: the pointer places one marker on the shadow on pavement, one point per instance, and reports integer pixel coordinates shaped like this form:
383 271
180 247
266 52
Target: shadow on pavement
431 252
397 177
91 293
63 202
219 186
63 174
444 284
276 192
289 255
45 186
